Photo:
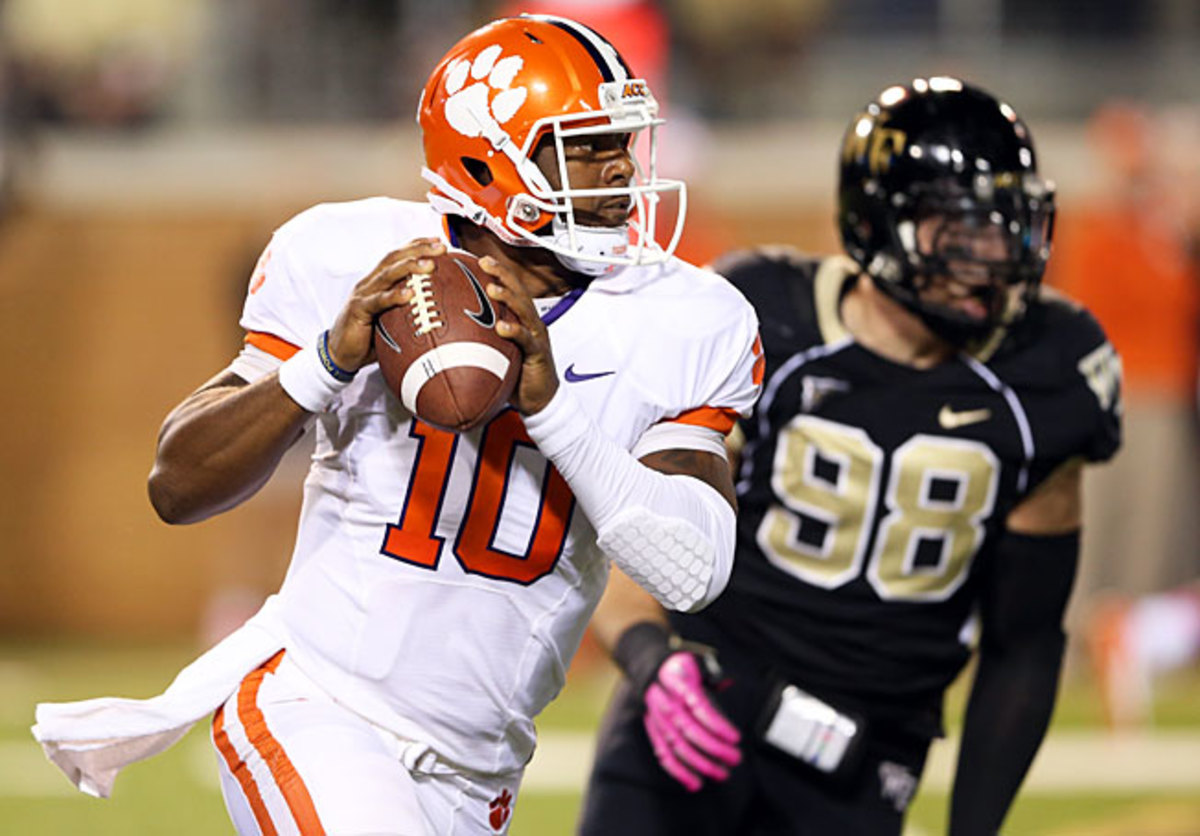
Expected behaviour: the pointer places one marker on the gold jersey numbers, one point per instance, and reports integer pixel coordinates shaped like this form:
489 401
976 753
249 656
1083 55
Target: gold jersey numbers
929 517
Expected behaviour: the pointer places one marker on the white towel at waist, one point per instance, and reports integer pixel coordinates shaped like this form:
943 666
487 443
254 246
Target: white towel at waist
92 740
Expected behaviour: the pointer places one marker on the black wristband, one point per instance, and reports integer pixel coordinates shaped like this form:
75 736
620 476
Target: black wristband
641 650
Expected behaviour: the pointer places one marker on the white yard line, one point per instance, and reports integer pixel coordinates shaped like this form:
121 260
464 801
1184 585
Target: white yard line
25 773
1163 761
561 762
1069 761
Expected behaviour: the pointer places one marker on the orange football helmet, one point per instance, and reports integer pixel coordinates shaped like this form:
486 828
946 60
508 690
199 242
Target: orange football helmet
492 99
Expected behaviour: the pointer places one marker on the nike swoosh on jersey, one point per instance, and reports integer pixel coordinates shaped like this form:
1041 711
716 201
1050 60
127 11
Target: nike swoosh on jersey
951 420
573 376
486 315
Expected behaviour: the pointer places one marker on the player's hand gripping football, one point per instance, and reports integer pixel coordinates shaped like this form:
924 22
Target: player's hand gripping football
692 739
351 343
539 380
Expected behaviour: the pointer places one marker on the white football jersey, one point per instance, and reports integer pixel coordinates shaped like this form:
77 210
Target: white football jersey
441 583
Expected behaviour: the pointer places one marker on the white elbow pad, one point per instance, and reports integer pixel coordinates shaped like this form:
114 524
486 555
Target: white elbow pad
682 566
672 534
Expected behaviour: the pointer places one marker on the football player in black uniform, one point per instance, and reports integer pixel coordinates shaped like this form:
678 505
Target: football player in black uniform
909 493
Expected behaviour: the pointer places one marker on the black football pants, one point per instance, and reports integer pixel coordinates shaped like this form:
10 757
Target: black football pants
768 793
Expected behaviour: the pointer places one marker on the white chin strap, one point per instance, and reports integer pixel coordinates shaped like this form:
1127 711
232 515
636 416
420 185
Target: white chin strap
591 250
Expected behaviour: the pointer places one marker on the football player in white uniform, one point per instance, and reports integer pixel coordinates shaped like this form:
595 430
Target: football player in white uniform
441 582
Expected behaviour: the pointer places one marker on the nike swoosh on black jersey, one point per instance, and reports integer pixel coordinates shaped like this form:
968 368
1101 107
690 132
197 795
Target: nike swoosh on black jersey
951 420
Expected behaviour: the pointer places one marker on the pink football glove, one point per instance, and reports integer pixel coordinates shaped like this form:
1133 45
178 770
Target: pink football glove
692 739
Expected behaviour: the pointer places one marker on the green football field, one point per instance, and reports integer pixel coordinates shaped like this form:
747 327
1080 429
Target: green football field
1086 781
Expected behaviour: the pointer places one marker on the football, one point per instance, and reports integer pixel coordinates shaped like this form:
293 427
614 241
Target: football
440 354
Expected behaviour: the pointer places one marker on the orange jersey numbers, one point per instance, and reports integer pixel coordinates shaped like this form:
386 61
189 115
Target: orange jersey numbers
414 539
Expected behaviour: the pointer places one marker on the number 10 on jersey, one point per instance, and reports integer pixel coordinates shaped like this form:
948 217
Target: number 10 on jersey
414 539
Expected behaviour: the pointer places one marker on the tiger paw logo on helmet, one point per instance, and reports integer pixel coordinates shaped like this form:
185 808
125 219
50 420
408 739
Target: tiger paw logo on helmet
472 109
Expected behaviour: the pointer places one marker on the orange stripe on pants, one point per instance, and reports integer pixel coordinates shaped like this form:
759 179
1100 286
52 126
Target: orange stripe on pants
238 768
290 784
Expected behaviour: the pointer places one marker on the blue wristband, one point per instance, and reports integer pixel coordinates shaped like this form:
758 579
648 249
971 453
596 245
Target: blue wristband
335 371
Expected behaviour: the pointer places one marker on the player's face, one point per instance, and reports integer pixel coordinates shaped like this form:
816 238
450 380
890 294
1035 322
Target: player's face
597 161
972 255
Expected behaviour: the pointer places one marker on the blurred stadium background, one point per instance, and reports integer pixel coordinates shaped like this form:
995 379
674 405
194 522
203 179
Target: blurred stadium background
149 147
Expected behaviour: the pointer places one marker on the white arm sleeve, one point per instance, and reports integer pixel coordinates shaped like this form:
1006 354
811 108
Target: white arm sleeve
673 534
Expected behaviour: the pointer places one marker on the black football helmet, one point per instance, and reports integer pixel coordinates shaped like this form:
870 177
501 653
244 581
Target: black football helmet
940 150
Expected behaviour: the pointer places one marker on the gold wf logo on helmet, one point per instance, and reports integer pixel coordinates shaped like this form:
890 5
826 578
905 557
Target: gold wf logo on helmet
872 142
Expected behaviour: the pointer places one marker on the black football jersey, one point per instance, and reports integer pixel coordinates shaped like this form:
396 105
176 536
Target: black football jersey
870 492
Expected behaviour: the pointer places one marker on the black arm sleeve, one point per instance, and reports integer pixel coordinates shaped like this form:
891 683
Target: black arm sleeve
640 652
644 646
1024 596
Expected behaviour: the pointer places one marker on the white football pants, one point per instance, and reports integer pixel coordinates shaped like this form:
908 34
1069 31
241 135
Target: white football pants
294 762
